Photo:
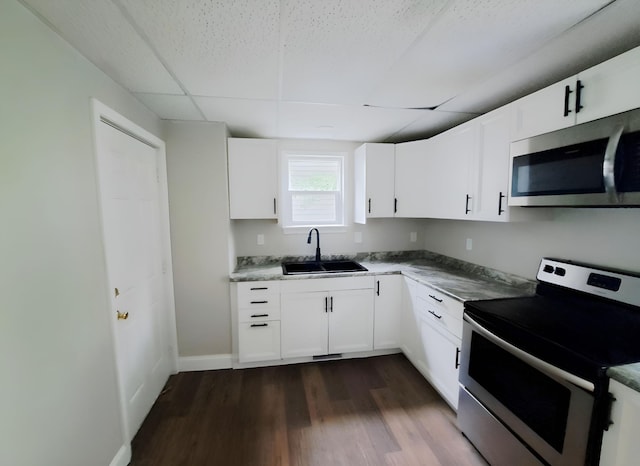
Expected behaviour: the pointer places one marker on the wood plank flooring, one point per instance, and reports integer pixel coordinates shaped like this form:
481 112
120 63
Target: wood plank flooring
374 411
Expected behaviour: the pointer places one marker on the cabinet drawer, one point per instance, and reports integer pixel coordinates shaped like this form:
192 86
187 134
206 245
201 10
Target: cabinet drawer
433 312
440 301
258 295
259 341
259 314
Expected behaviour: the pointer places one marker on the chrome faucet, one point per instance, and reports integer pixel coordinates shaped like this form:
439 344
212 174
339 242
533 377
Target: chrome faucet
317 243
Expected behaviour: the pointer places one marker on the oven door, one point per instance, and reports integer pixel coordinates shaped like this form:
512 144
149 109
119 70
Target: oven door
536 407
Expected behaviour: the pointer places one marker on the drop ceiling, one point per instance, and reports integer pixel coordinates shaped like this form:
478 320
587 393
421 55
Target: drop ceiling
359 70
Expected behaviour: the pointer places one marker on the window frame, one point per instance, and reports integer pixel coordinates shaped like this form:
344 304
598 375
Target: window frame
286 196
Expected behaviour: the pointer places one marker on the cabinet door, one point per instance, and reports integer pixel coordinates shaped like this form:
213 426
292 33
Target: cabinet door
441 354
610 87
374 181
410 325
304 323
543 111
259 341
493 166
449 179
351 321
620 446
410 186
253 178
387 311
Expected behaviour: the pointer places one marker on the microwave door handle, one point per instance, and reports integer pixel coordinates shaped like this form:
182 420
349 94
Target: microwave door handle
609 164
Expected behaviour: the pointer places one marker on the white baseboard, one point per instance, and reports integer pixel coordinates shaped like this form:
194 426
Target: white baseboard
210 362
123 457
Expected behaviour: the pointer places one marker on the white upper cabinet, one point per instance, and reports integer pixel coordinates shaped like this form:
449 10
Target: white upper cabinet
605 89
610 87
374 168
410 187
452 161
253 178
544 111
492 172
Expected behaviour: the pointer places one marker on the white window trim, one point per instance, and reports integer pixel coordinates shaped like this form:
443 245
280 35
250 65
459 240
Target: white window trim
284 196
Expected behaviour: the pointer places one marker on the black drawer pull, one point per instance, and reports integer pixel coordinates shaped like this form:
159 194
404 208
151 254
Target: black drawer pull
259 315
259 325
259 288
434 314
259 302
457 358
433 297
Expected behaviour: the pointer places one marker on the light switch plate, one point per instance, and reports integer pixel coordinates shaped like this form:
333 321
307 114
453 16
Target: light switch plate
260 239
357 237
469 244
413 236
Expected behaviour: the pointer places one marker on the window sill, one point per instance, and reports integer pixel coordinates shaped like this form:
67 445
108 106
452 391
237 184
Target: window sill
303 230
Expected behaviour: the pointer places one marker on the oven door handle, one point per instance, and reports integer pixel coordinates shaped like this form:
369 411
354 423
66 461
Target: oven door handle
539 364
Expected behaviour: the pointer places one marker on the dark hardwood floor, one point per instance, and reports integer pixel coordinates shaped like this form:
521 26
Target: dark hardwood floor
375 411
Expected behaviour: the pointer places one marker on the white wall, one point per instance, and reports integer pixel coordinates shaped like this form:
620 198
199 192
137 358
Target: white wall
58 394
377 234
606 237
199 216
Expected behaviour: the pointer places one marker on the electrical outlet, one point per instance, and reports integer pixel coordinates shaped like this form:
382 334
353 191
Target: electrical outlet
260 239
357 237
469 244
413 236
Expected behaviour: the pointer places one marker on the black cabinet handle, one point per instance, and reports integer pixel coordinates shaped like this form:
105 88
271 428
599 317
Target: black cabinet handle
567 92
331 303
579 88
434 314
378 287
457 358
369 205
433 297
259 315
466 205
274 206
326 304
395 205
500 209
259 325
259 288
259 302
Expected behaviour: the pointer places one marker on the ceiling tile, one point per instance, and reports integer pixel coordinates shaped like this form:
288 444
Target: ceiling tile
341 122
244 117
473 40
215 47
100 32
171 107
336 51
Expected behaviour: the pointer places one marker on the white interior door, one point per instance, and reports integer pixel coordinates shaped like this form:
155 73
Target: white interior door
133 237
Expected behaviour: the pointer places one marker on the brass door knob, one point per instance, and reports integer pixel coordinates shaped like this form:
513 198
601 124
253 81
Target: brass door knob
122 315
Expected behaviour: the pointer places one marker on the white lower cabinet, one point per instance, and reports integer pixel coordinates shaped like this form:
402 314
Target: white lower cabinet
258 321
436 323
387 311
326 316
411 339
620 446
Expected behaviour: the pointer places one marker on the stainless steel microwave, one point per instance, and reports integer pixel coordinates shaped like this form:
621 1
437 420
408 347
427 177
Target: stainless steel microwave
595 164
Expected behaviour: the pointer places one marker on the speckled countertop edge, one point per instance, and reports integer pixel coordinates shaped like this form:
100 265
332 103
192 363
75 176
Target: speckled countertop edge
628 375
458 279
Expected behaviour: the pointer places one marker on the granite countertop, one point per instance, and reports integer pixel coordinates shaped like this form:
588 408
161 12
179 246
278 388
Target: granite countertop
458 279
628 375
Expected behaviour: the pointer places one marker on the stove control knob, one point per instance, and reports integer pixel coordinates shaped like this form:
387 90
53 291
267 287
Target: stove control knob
548 269
560 271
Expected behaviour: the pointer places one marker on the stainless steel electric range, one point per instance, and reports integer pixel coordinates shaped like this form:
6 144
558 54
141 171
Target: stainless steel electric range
533 383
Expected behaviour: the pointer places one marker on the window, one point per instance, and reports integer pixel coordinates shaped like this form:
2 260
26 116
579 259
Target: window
312 188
